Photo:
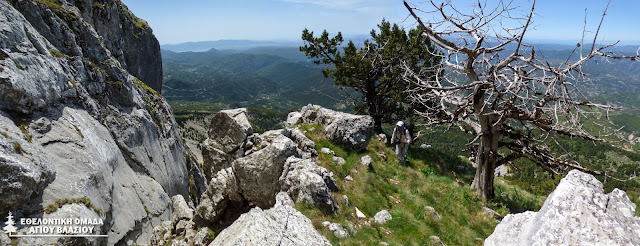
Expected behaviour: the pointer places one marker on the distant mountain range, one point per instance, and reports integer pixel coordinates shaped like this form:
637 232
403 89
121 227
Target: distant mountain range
278 78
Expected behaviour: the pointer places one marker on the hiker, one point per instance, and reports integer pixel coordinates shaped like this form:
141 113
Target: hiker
402 139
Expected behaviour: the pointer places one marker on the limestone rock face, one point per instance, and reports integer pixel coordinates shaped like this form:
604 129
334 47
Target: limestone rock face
280 225
258 173
226 137
79 116
578 212
307 182
353 132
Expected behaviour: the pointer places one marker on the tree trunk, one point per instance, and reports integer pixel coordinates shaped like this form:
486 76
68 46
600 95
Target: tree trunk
373 105
486 157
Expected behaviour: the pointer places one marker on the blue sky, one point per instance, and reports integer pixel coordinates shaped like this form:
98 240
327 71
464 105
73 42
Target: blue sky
558 21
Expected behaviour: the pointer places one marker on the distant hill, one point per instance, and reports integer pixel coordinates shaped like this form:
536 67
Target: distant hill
226 45
270 77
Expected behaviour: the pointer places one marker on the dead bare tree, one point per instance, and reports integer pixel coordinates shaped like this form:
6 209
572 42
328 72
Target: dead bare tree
500 90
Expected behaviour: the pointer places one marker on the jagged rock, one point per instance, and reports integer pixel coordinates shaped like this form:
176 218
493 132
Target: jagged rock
353 132
359 214
346 200
202 237
90 128
501 170
326 223
366 160
280 225
307 182
305 144
183 226
161 233
181 211
293 119
222 188
226 135
348 178
338 230
430 211
258 173
339 160
382 217
578 212
435 240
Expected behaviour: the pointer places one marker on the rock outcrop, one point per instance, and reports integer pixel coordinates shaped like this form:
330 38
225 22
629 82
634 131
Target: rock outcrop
263 165
578 212
227 135
81 117
352 132
280 225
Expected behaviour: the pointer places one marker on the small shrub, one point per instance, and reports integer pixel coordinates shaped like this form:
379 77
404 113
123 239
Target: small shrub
56 53
17 148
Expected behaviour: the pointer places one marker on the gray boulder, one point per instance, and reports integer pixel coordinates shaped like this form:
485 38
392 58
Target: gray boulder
280 225
226 138
258 173
293 119
382 217
353 132
338 230
222 189
181 211
307 182
578 212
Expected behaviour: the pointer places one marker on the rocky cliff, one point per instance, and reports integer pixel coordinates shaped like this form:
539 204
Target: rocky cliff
84 131
578 212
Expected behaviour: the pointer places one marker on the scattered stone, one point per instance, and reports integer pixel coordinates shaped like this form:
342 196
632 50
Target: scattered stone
492 212
395 200
346 200
501 170
348 178
430 211
426 146
327 151
382 138
338 230
382 155
393 181
435 240
202 237
339 160
578 212
326 223
383 244
382 217
365 160
359 214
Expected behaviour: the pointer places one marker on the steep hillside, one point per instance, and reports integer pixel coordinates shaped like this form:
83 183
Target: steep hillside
84 132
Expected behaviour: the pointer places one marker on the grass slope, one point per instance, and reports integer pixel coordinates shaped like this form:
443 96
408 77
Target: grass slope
405 191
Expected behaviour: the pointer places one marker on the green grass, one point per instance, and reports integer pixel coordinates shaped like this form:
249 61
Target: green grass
56 53
17 148
61 202
18 65
98 5
145 86
405 190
